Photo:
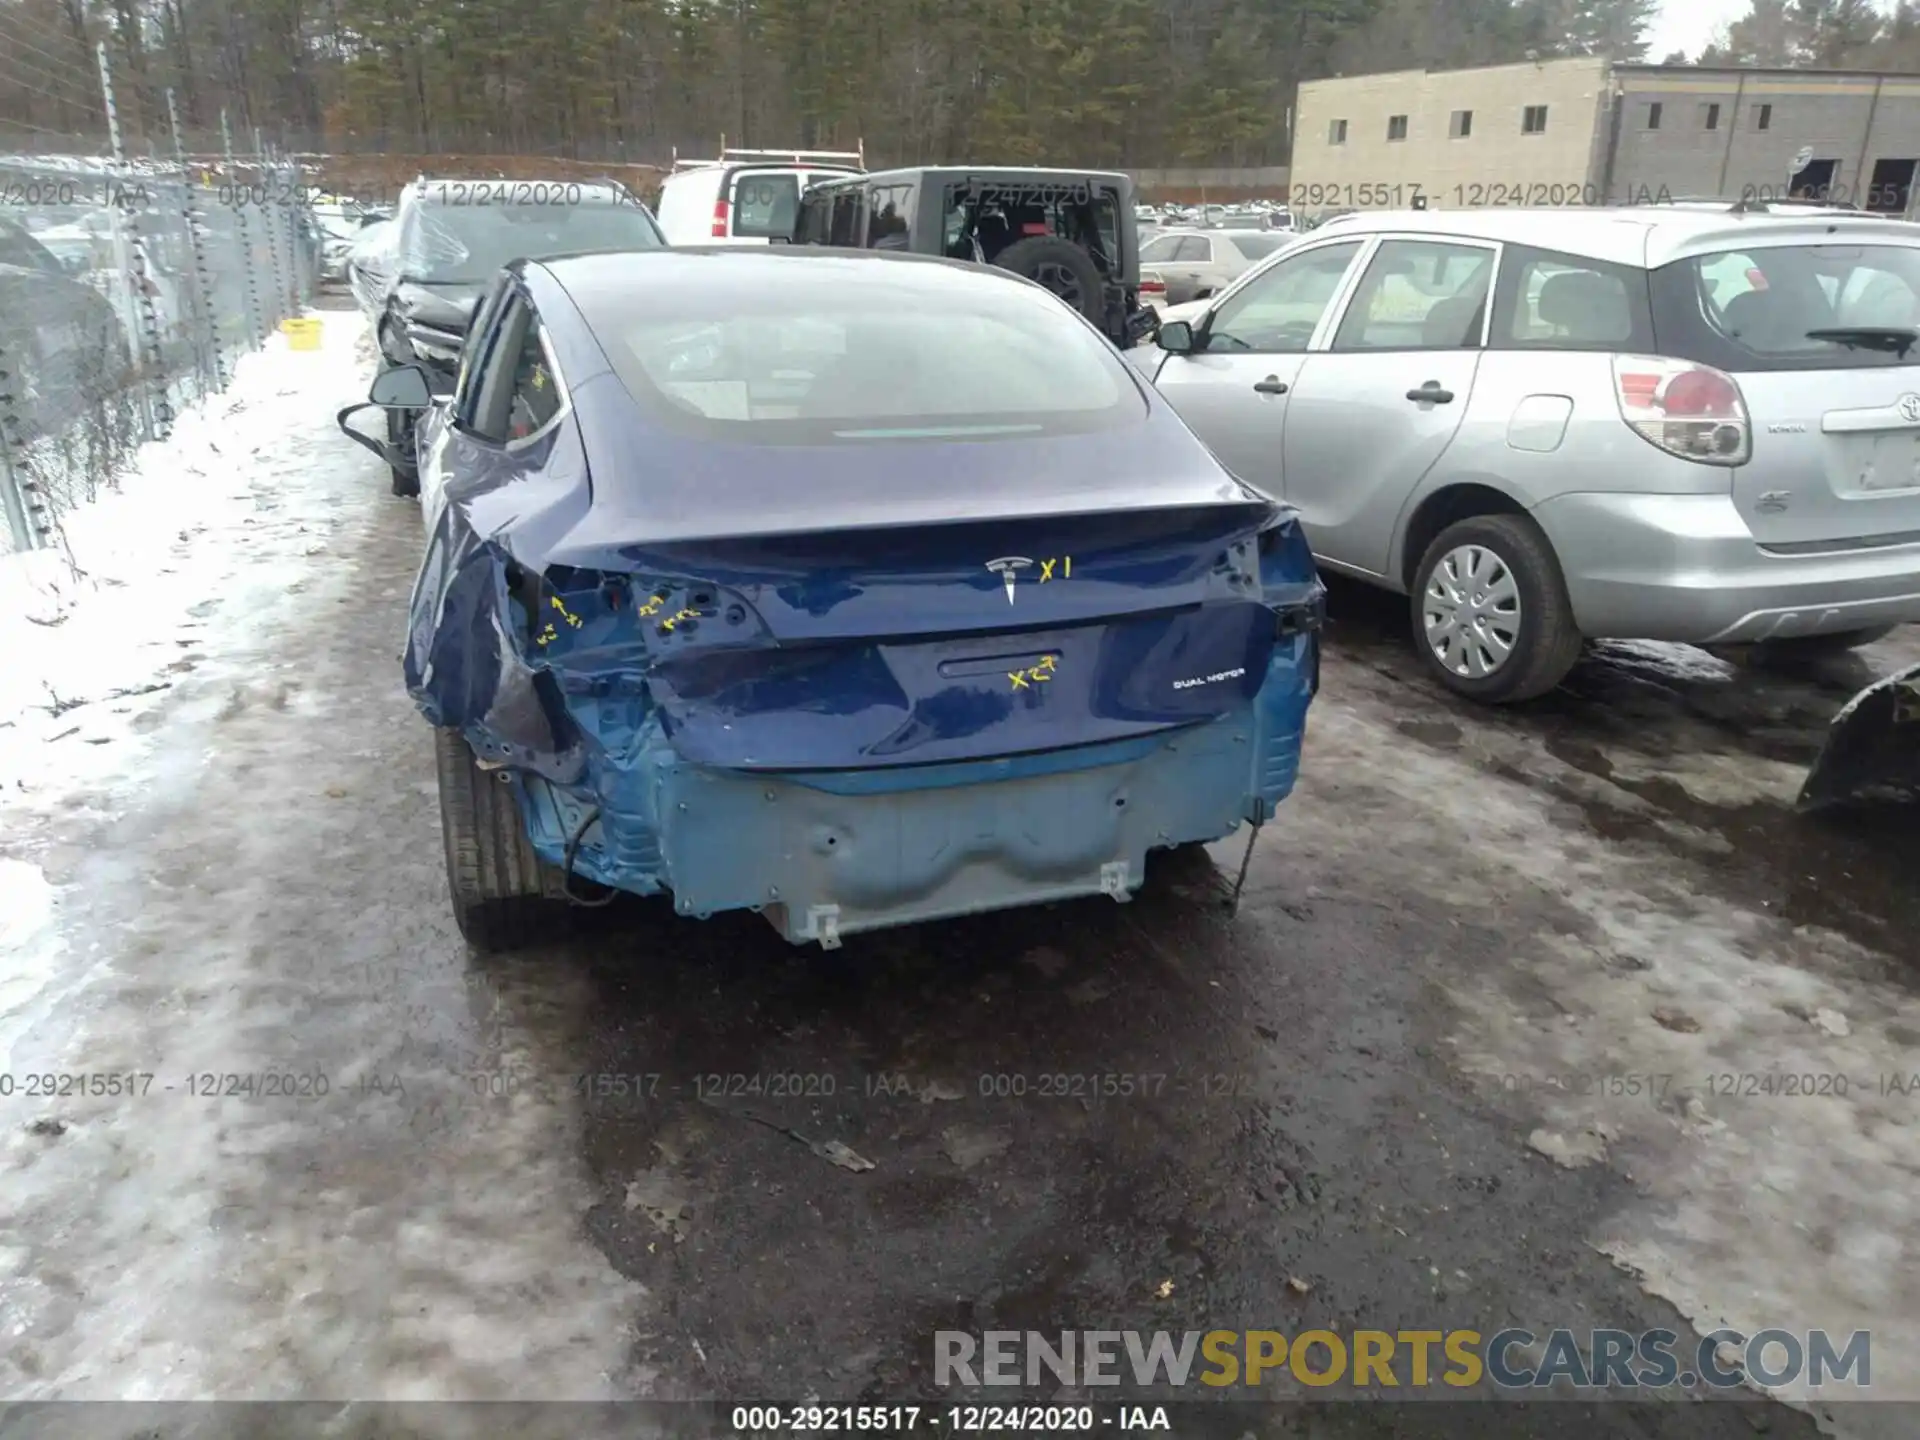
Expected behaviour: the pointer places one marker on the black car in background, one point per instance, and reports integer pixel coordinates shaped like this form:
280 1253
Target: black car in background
451 238
1072 231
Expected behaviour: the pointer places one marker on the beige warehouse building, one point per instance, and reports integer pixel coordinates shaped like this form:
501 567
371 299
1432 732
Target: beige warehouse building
1583 131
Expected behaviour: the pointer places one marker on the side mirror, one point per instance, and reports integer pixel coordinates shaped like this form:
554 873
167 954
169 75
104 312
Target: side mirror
1176 337
405 387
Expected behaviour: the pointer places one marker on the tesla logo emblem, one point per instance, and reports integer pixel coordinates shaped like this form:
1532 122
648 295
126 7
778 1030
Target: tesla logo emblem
1909 407
1008 568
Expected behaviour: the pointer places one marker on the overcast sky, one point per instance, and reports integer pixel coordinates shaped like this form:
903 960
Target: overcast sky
1690 25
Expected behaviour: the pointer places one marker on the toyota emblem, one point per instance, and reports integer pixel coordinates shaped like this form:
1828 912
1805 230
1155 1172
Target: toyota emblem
1909 407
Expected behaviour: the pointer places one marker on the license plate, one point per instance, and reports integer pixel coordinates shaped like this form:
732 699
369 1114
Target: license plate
1893 463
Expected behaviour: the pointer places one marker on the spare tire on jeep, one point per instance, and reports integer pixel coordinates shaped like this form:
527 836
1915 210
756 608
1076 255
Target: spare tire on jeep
1062 267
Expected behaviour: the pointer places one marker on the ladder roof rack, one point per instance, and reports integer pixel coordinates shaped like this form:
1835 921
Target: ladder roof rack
733 155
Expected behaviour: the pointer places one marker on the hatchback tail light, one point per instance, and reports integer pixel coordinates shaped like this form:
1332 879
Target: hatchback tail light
1153 287
1688 410
720 217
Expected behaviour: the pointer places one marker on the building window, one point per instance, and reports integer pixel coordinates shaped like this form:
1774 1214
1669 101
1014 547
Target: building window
1710 116
1336 132
1533 120
1461 125
1396 127
1653 116
1763 118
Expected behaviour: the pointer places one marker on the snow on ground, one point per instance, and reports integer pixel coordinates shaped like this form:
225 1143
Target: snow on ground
1632 1020
185 899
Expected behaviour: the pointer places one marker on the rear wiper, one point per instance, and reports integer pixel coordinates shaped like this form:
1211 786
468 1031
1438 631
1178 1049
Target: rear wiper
1870 337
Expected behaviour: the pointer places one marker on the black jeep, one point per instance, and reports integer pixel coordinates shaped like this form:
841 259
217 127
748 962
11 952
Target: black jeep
1072 231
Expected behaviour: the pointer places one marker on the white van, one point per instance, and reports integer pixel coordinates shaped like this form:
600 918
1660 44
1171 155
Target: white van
746 197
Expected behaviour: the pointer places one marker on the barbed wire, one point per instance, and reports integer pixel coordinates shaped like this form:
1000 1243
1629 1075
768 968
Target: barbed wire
76 67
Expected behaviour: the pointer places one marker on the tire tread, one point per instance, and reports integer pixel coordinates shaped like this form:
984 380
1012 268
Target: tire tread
504 895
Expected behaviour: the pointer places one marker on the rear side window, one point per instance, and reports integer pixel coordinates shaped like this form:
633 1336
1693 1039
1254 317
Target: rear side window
765 204
1791 307
1419 295
1550 301
843 221
816 214
1160 251
1256 247
890 217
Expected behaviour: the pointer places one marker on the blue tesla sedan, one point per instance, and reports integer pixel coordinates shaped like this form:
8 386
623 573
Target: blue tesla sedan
852 588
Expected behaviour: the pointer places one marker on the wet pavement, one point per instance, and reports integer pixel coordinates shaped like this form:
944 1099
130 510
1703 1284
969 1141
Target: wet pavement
1376 1096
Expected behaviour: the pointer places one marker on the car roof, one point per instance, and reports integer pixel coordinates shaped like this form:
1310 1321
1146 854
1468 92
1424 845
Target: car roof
591 276
1644 235
1229 231
1040 172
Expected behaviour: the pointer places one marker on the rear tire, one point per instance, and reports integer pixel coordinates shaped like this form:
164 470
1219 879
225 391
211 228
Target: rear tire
1800 649
1513 556
1062 267
504 895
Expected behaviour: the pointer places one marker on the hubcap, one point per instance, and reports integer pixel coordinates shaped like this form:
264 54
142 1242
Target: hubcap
1060 280
1471 612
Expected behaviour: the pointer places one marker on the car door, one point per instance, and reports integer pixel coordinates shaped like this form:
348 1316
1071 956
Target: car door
439 427
1233 389
1187 273
1369 417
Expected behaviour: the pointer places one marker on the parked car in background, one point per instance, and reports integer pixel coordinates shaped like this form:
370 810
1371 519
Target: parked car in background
746 197
1181 265
75 352
1666 423
1070 231
891 597
370 265
340 226
452 237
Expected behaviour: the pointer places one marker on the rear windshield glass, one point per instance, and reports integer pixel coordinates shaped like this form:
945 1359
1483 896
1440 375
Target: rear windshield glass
458 234
765 204
1794 307
981 219
859 354
1256 247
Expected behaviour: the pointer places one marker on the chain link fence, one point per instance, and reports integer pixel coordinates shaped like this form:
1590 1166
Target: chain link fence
128 289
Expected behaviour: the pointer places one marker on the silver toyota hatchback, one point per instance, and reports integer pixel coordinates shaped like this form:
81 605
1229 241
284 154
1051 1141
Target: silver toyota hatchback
1697 424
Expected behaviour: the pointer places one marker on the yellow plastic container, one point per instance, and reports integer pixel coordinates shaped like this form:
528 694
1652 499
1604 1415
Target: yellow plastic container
302 333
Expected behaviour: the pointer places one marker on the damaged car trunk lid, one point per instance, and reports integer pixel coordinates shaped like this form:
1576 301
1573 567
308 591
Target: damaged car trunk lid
874 648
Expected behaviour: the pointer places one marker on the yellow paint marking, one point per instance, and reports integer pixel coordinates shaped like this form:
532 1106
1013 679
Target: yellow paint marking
1046 571
571 618
683 615
1019 678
